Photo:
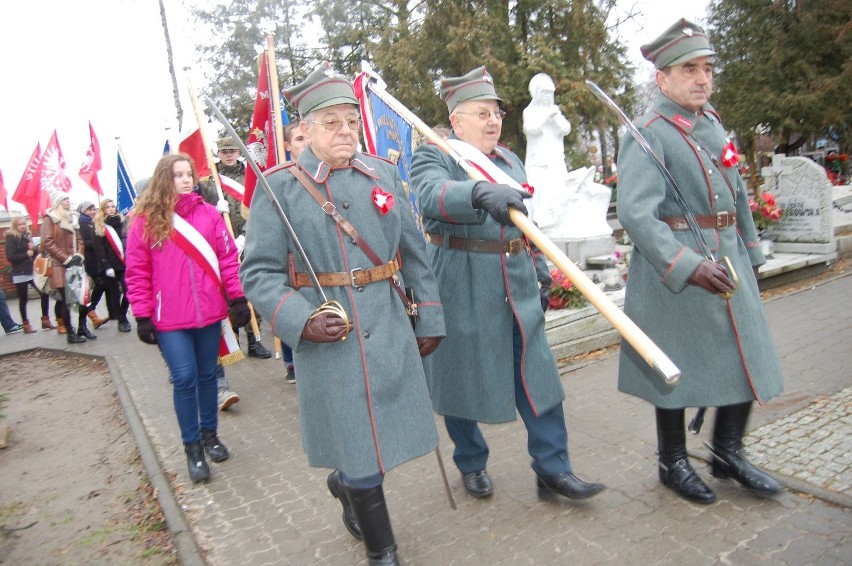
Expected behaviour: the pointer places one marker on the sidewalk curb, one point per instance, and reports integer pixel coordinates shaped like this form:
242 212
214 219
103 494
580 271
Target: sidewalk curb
187 547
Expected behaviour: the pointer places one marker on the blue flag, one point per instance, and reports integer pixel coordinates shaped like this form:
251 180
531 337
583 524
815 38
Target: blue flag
126 192
166 149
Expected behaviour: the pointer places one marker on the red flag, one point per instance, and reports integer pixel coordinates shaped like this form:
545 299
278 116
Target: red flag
89 169
193 146
29 191
51 169
261 141
3 196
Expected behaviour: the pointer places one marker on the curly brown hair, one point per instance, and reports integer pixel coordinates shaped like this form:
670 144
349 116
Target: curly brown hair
157 203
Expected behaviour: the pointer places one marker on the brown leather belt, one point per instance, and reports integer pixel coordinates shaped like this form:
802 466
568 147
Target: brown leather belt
508 247
720 221
356 277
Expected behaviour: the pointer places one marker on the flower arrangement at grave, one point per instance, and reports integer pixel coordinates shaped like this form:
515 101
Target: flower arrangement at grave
765 211
563 293
835 164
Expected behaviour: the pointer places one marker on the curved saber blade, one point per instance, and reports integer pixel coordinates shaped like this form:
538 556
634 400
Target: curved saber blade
670 182
268 190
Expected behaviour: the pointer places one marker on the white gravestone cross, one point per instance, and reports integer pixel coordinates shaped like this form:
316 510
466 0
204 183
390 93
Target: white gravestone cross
565 205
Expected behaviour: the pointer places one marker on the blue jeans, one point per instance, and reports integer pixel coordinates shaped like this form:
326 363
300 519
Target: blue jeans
547 436
5 318
191 356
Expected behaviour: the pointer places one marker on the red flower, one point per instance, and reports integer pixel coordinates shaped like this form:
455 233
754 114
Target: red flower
382 200
752 204
530 189
768 198
776 214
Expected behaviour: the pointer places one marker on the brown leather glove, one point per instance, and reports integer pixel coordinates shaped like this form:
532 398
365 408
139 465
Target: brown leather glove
325 327
427 345
711 277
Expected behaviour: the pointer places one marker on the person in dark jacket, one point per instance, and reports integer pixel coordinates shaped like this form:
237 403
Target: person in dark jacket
21 252
108 247
86 210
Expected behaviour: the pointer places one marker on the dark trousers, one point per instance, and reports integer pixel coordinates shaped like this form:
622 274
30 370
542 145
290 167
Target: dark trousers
547 436
22 290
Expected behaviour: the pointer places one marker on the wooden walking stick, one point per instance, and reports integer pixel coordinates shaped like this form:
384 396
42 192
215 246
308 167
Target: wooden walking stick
628 329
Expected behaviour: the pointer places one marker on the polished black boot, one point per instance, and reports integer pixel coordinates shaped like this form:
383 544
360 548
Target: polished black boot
371 514
675 469
213 446
338 490
83 330
729 458
256 349
72 336
567 485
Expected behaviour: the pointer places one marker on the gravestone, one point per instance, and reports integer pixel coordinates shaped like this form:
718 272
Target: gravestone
803 191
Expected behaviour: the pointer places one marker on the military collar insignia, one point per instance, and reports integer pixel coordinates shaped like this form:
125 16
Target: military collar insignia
497 152
680 120
359 165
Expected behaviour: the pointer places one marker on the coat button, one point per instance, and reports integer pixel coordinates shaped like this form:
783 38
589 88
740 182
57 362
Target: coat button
360 288
367 334
716 197
345 205
709 172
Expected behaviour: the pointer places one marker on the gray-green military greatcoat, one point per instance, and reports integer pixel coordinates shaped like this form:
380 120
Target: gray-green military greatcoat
363 402
724 348
471 374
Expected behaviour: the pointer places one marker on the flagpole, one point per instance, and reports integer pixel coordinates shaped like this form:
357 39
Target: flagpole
640 341
275 95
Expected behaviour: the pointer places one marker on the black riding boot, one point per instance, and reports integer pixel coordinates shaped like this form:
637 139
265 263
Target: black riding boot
729 458
339 491
371 514
675 469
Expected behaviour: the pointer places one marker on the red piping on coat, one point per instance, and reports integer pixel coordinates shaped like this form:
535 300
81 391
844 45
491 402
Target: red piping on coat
441 204
742 354
672 264
278 308
520 325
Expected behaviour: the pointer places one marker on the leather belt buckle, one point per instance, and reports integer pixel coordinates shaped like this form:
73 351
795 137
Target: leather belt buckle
515 246
352 276
723 225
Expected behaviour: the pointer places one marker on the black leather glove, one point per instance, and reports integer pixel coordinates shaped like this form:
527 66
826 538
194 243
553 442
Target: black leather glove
239 313
75 259
325 327
544 295
427 345
495 199
145 330
711 277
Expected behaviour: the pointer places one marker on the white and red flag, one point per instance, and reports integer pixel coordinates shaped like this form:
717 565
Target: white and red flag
193 146
29 191
90 167
51 169
261 141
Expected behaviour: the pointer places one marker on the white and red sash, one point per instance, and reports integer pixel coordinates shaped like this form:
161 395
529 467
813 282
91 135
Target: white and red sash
232 187
201 252
114 241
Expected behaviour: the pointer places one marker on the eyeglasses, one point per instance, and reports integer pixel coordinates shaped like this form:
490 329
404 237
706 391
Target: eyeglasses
485 114
337 125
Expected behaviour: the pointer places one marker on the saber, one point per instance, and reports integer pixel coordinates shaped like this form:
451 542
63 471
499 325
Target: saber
671 184
327 305
640 341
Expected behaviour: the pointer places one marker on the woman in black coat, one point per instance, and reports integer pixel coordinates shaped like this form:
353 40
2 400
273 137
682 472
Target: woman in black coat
108 248
21 252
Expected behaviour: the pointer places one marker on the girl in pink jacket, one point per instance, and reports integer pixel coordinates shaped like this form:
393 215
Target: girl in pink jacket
182 282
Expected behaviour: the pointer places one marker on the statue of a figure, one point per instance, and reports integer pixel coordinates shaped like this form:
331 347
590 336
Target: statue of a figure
565 205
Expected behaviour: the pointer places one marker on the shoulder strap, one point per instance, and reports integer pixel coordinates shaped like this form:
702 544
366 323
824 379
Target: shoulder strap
331 210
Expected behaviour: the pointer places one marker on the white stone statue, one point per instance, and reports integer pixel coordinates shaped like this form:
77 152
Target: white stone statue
565 205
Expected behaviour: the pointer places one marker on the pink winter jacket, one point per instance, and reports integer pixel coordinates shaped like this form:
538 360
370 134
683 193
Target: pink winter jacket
167 285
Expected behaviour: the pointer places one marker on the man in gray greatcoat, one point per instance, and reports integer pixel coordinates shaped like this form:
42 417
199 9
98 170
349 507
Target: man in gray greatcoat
723 346
363 401
495 359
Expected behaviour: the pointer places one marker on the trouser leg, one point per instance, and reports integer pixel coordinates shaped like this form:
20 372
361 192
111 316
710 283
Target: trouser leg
471 451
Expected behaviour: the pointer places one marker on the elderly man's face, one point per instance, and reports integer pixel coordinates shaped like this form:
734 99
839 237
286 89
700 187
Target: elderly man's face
333 133
689 84
479 123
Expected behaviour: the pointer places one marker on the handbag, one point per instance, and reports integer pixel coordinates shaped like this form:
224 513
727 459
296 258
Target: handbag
42 266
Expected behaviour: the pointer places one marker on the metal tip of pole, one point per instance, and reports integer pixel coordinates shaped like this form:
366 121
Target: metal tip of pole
670 372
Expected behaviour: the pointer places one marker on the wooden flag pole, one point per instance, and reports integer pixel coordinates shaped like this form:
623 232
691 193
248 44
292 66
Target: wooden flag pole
640 341
214 172
278 125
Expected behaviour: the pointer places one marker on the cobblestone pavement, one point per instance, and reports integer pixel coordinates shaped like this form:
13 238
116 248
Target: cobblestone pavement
813 444
266 506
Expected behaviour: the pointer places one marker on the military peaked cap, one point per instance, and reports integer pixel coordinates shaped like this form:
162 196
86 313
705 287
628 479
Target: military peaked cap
321 89
678 44
476 85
